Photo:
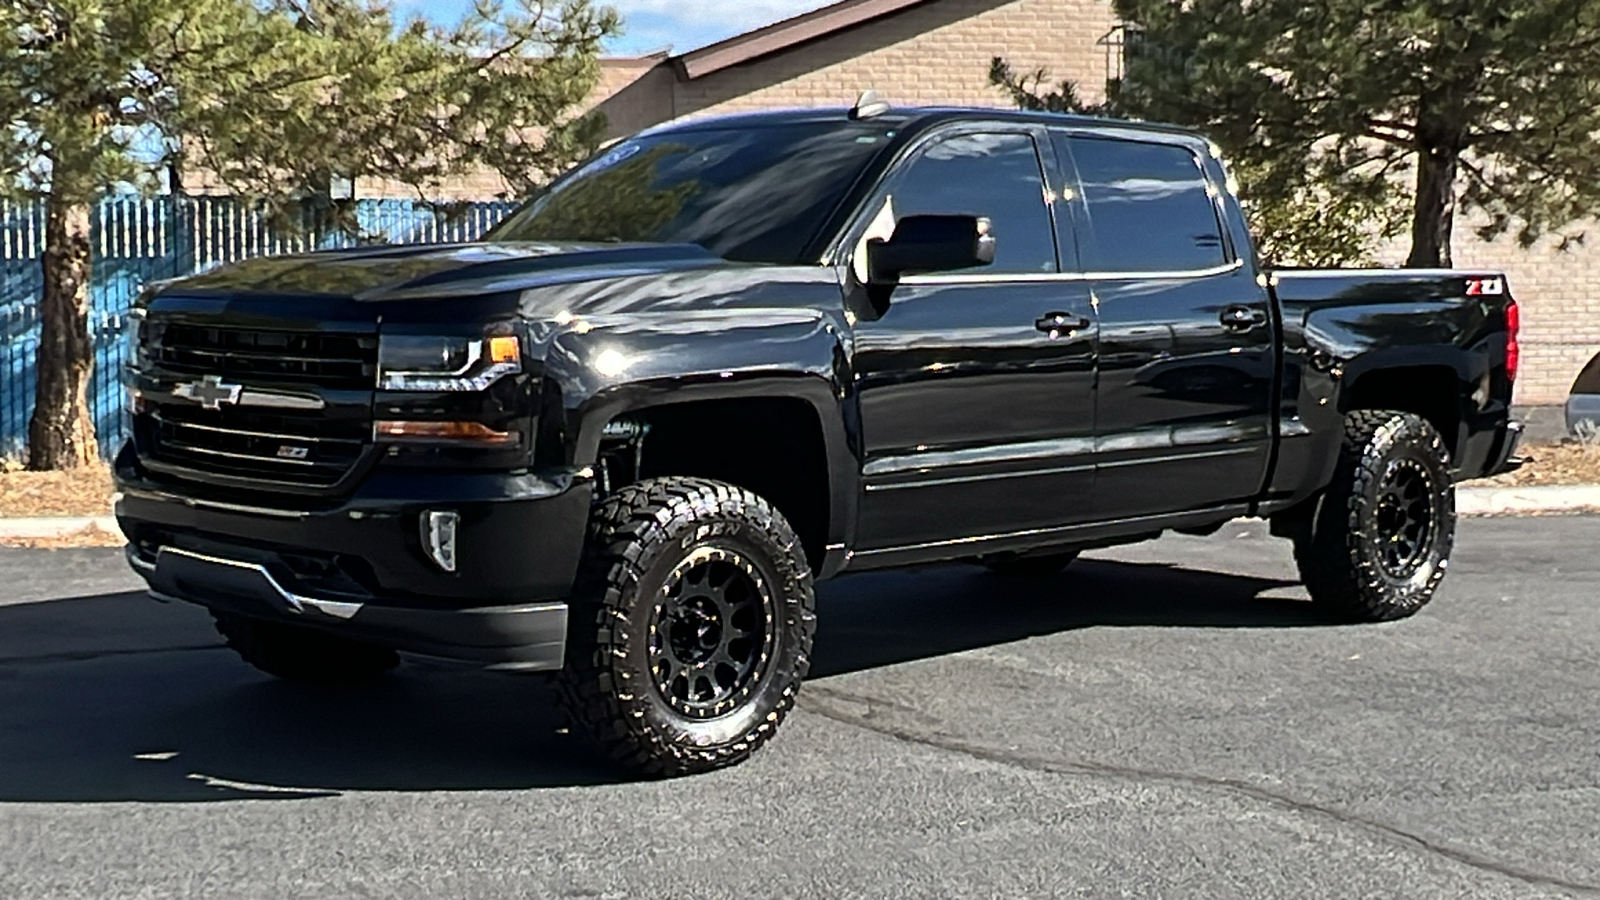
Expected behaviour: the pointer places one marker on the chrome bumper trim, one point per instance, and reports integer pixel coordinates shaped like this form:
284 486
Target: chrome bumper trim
193 502
296 603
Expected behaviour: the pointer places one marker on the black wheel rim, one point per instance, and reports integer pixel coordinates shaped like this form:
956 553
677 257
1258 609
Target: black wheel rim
1405 518
711 634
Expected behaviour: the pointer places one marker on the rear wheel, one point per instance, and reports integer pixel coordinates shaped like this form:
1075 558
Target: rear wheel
1378 542
692 625
301 654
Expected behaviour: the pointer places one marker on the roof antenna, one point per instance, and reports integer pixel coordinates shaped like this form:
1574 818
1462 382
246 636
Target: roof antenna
869 106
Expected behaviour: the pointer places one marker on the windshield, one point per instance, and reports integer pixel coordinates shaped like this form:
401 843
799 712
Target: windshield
750 194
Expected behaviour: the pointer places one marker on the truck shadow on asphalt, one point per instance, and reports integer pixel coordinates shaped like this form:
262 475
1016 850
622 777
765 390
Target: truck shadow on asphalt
114 698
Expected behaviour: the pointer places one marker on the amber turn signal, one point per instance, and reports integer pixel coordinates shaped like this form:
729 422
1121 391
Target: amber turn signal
504 350
451 432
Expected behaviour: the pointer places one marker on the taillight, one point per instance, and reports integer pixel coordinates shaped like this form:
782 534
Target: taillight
1513 350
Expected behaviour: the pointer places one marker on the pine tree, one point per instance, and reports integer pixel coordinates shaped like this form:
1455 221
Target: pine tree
275 100
1349 120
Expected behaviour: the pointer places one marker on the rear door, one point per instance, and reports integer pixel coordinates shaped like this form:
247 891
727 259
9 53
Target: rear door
976 388
1186 355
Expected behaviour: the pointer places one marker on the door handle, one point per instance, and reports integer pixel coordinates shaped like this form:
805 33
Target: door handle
1058 323
1242 318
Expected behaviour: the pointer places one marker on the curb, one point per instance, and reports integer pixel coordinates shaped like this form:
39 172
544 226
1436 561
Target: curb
1533 499
54 526
1470 501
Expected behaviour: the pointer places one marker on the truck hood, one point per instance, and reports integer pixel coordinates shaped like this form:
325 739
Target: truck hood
356 290
438 271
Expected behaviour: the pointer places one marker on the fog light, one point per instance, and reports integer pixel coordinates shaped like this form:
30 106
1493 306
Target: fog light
439 537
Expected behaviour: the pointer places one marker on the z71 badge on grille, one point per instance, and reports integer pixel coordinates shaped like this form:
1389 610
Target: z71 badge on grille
291 452
210 392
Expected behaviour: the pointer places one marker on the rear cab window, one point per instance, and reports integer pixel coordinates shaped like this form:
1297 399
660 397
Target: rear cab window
1149 206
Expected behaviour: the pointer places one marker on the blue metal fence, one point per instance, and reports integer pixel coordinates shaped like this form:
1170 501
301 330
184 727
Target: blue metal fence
135 241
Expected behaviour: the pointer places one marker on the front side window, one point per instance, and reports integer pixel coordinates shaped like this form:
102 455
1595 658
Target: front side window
992 175
1150 207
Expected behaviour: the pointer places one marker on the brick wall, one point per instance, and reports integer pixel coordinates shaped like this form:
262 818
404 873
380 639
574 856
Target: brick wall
936 54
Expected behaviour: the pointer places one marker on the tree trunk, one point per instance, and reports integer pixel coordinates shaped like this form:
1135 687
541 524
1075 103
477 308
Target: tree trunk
1435 211
61 432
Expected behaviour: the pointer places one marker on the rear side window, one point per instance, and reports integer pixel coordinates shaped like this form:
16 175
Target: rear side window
993 175
1149 207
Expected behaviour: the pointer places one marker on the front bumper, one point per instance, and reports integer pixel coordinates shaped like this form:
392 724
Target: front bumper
359 570
528 637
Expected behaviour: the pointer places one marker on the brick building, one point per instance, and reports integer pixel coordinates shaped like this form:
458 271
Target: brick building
937 52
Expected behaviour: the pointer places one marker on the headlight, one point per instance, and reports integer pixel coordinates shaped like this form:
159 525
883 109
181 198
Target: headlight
426 363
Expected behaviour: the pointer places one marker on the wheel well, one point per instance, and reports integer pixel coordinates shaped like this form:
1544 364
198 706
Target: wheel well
771 446
1431 392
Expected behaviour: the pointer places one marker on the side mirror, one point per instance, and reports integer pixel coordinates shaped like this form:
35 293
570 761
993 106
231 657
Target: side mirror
930 244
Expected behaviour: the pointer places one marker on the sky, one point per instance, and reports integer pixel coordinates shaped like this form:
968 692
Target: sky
654 25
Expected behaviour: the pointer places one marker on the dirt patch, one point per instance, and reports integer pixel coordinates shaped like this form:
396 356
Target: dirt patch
80 492
92 536
1569 461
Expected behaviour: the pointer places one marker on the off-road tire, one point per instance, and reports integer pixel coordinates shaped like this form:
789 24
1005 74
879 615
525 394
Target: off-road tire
1345 550
302 654
639 541
1042 565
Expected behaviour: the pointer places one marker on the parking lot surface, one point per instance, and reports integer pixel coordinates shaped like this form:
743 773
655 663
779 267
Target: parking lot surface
1169 719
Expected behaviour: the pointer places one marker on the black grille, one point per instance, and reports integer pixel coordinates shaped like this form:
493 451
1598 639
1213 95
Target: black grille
301 449
284 444
329 360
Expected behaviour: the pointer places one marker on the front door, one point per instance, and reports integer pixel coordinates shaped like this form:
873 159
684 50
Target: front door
1186 340
976 388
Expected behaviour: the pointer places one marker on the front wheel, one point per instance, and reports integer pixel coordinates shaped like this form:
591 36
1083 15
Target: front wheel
692 624
1379 539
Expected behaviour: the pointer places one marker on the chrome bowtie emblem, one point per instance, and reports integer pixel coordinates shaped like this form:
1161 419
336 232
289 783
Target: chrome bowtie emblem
210 392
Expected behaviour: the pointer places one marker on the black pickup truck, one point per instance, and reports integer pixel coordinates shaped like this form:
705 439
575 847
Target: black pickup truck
622 436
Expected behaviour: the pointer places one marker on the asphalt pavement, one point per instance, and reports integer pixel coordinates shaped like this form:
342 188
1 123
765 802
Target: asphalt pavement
1164 720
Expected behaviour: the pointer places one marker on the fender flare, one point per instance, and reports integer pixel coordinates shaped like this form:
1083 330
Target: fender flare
588 422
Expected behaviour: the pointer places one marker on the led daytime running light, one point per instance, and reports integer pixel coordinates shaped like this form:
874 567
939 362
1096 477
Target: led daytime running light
488 361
